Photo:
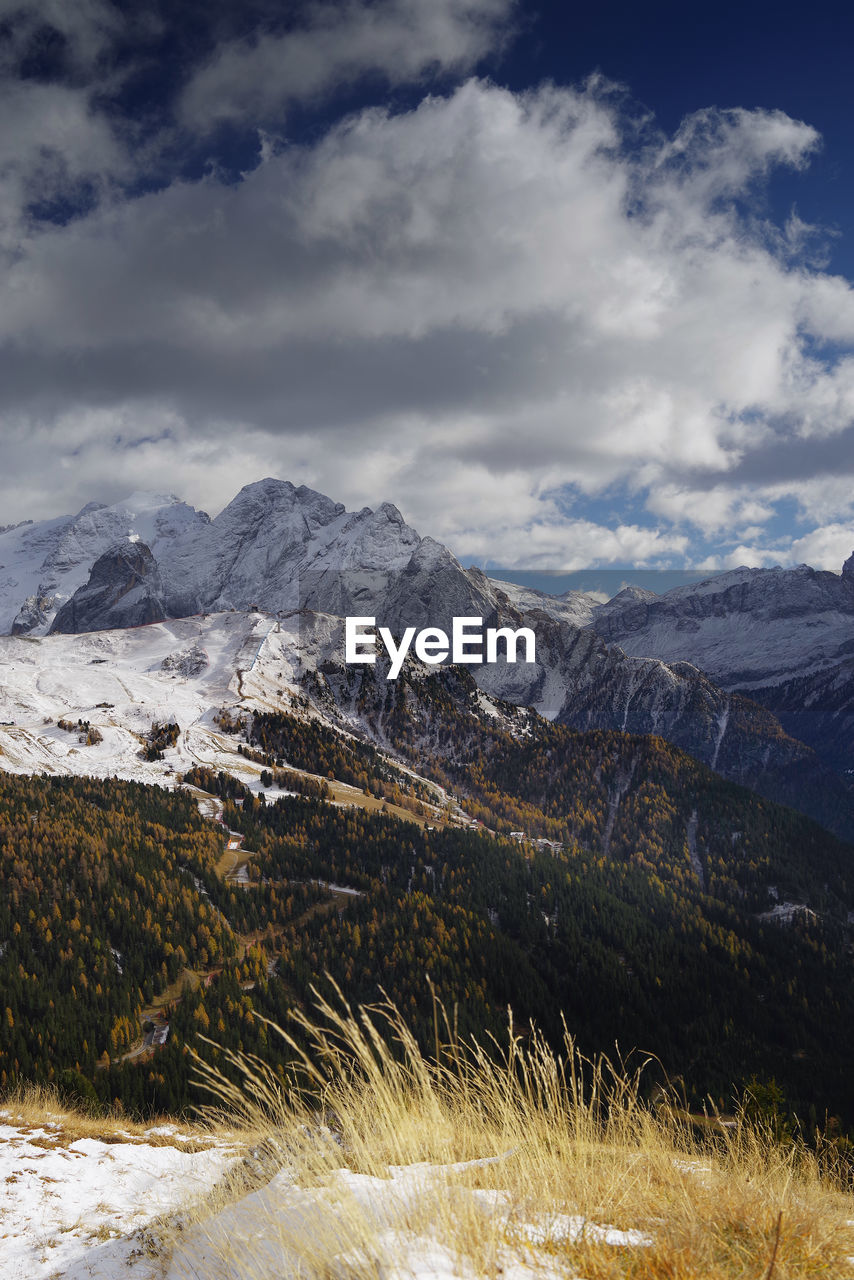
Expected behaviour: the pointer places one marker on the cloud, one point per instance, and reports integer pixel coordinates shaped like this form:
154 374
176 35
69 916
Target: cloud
492 309
337 43
715 510
827 547
50 148
70 37
58 152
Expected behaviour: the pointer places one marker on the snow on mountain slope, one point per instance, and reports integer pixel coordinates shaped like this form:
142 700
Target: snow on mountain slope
274 545
43 564
284 547
122 681
280 547
577 607
784 637
747 628
294 553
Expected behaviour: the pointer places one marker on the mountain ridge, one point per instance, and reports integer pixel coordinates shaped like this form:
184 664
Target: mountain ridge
287 550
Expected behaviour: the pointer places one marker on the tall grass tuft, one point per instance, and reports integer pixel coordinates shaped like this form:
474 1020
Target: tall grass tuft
489 1157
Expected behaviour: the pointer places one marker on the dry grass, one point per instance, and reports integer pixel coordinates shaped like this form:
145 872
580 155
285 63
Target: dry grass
524 1155
344 793
35 1109
563 1146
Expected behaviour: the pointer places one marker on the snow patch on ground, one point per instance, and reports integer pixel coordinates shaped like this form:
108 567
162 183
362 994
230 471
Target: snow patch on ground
75 1209
88 1208
397 1217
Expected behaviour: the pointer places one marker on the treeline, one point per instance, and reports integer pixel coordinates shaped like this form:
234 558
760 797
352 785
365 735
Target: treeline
630 796
312 745
274 775
624 954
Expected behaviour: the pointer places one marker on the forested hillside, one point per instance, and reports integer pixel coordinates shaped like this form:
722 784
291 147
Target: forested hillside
631 797
111 894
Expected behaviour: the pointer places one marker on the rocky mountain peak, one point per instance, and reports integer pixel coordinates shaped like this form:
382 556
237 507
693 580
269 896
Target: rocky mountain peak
633 593
124 590
390 512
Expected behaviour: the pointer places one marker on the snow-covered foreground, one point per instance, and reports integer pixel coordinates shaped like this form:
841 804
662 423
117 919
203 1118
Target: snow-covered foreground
95 1209
392 1226
78 1208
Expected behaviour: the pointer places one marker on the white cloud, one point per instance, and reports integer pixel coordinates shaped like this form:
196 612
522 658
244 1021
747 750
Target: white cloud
467 308
338 42
51 142
825 548
716 510
821 498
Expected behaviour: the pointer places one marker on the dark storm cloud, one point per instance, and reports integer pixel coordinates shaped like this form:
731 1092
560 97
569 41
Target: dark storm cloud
786 460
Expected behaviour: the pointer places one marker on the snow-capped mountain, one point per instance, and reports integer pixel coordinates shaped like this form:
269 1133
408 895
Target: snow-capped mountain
274 545
784 637
272 534
304 562
42 564
749 627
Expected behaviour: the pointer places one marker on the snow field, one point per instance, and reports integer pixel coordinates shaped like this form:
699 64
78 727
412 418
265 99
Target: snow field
78 1208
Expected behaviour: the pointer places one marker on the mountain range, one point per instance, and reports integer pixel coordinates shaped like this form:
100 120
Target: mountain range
751 672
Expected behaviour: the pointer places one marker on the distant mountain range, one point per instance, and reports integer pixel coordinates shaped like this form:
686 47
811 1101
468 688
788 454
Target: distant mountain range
751 672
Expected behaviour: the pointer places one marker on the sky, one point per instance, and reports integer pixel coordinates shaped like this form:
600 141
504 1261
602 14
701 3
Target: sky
570 285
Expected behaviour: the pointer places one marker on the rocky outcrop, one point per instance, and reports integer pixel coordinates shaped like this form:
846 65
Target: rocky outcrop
579 681
124 590
45 562
34 613
750 626
186 662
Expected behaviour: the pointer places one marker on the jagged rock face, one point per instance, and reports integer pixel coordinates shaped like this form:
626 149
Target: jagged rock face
251 553
577 607
275 546
124 590
579 681
784 637
818 708
47 561
283 548
34 613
